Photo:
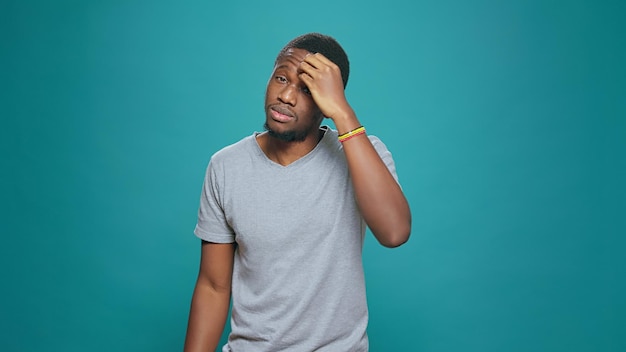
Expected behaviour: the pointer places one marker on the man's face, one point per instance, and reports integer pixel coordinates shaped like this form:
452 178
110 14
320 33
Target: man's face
291 113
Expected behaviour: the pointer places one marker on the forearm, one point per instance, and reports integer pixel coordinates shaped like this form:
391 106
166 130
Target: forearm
379 197
209 310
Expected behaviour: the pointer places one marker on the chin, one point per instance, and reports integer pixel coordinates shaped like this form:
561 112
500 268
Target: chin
286 136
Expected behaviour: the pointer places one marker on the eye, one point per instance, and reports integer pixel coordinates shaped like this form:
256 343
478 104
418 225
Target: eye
281 79
306 90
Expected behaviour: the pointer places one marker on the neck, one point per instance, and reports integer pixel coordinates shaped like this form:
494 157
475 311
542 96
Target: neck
285 153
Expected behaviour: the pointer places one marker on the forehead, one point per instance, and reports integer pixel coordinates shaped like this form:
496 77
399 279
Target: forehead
292 57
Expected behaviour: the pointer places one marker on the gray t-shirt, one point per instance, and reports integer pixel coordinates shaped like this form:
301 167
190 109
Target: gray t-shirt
298 281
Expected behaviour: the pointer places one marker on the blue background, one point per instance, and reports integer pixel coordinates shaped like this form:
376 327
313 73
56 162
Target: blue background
507 120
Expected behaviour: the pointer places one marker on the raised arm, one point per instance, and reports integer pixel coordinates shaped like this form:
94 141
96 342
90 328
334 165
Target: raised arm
379 197
211 297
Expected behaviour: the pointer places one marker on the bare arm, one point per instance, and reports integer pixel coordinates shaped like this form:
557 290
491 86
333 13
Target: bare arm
380 198
378 195
211 297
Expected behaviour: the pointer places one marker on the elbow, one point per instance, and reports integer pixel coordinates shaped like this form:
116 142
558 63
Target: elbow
395 241
396 237
393 228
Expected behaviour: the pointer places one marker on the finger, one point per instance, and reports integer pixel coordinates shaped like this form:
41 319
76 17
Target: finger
313 60
324 59
320 62
308 69
306 78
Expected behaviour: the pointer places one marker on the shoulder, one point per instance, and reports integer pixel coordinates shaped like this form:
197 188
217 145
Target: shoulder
378 144
375 140
333 141
234 151
232 159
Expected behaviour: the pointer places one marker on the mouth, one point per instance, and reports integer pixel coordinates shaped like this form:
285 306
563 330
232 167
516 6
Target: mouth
281 114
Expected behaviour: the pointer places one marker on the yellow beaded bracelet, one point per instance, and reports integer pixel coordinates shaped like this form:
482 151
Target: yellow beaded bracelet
355 132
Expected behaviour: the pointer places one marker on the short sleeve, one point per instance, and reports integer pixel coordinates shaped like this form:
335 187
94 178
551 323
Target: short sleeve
385 155
212 225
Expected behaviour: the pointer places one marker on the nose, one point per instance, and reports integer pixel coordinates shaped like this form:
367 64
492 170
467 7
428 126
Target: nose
288 94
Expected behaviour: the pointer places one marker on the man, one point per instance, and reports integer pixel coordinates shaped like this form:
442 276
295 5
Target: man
283 214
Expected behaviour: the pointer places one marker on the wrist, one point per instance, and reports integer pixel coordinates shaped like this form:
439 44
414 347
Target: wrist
349 135
346 121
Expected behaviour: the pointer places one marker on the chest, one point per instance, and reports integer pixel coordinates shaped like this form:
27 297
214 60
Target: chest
288 207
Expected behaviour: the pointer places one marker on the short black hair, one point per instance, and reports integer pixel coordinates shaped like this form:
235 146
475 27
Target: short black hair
325 45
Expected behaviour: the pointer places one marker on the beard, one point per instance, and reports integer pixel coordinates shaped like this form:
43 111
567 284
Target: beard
287 136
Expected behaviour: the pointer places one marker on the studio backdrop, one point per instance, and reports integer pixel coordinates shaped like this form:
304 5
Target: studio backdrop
506 120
